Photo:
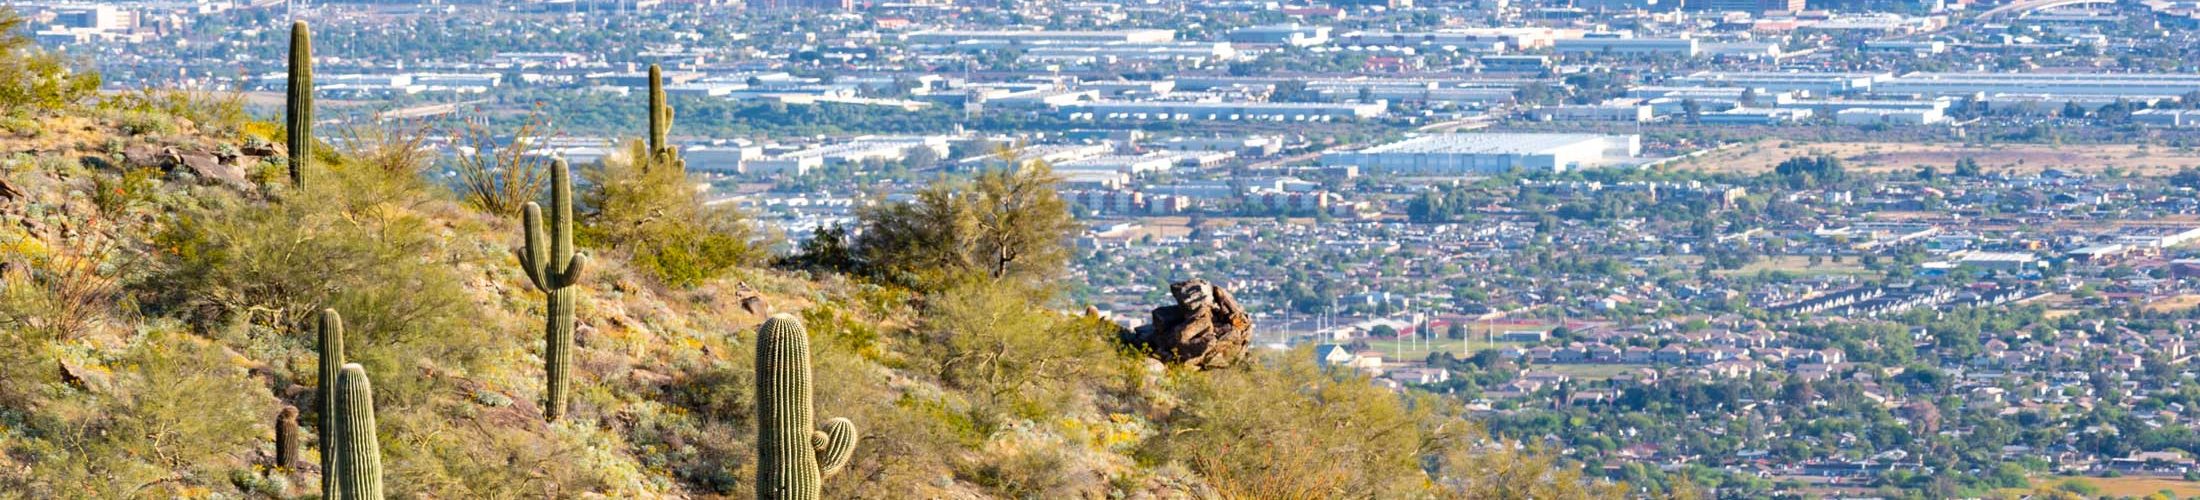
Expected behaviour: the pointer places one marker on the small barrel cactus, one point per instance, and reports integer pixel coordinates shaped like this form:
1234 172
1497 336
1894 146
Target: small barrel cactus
793 457
551 265
359 457
286 438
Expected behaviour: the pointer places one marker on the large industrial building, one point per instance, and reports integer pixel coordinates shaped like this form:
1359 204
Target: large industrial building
1296 35
1629 46
1815 83
1465 154
1234 111
2066 84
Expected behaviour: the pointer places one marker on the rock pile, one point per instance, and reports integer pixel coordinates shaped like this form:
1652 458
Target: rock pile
1205 329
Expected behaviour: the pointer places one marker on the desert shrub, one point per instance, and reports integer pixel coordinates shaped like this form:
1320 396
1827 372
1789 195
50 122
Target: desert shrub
1284 428
357 240
499 177
653 214
1468 464
395 148
172 413
144 123
142 111
34 80
117 194
1027 473
56 292
1002 224
996 341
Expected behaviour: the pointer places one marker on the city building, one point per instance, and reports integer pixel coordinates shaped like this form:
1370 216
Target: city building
1295 35
1687 47
2129 85
1464 154
1234 111
1871 116
1814 83
2170 118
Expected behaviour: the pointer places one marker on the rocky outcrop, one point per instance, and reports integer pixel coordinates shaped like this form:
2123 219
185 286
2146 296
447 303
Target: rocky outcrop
1205 329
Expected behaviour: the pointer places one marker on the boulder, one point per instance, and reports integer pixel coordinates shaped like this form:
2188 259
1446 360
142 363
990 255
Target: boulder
207 166
750 301
1205 329
144 155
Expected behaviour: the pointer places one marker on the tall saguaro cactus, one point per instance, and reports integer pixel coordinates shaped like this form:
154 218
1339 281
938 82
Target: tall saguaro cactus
298 113
359 457
661 152
793 458
331 330
660 122
551 265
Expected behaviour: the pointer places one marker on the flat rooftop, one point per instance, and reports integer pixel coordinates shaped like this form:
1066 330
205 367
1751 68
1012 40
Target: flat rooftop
1488 144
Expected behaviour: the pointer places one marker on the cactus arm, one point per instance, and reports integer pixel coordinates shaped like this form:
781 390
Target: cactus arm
532 255
561 216
575 270
834 444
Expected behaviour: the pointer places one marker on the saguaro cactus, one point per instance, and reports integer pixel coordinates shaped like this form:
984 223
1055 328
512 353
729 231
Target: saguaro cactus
661 151
659 121
359 457
298 113
286 438
793 458
551 265
331 329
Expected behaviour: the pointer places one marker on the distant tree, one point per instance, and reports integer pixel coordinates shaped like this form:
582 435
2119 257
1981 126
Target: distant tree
1810 171
35 80
1967 167
2072 110
2186 177
1004 223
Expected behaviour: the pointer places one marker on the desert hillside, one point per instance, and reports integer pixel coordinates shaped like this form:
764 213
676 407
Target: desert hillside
163 276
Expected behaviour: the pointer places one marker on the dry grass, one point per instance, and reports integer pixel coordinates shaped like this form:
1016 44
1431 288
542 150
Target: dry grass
64 293
2126 487
2178 302
1883 157
1799 264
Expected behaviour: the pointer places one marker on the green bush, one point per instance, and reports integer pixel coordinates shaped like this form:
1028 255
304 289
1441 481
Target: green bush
358 244
1333 434
170 406
654 215
34 80
1014 357
1005 224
